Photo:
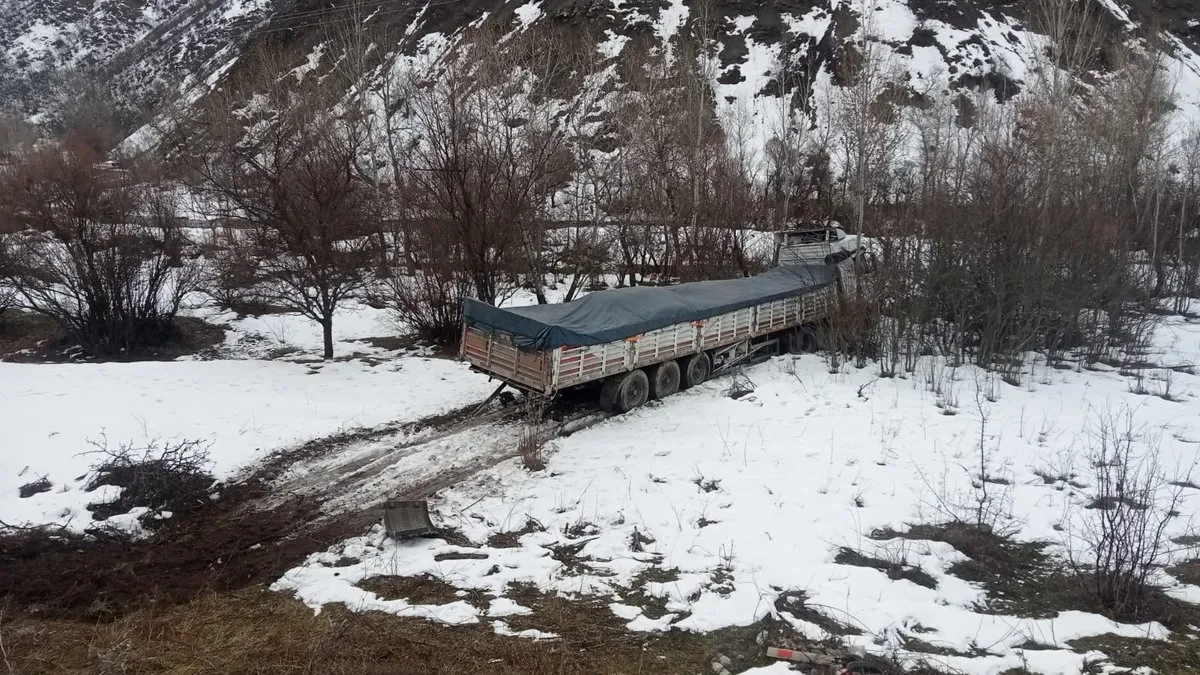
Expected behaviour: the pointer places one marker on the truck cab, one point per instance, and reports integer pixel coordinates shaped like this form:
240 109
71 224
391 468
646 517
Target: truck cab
824 245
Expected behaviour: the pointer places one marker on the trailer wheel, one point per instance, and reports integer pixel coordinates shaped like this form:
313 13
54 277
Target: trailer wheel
696 370
801 340
664 379
622 393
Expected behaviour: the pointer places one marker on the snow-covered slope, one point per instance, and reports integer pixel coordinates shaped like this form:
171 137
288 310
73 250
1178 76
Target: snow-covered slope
136 48
146 49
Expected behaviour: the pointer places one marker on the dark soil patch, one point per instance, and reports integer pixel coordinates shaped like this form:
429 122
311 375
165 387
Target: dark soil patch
32 488
27 337
391 343
795 602
245 307
587 624
1019 577
1053 479
1180 656
512 539
226 545
893 570
918 645
1022 580
1107 503
653 606
1188 572
422 590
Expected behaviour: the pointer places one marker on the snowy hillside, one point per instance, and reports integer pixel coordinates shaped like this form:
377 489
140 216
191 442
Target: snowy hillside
145 51
140 50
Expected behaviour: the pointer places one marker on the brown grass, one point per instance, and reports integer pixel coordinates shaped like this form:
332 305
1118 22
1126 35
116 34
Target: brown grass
1022 580
257 631
420 590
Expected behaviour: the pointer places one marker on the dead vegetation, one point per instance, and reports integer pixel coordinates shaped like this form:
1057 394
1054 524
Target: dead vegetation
166 479
420 590
894 570
254 630
208 537
1021 579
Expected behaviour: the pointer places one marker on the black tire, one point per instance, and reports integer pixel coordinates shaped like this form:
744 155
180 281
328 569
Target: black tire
664 380
622 393
801 340
696 370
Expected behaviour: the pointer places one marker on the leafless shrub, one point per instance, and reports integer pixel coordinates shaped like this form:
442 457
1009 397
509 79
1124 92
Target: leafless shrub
741 385
993 492
160 476
16 135
99 250
429 302
846 332
231 274
1123 535
533 436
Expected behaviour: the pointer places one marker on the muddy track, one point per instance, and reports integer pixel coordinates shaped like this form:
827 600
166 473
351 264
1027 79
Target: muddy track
299 501
355 473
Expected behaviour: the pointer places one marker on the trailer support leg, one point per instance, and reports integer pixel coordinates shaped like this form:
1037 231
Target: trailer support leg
489 399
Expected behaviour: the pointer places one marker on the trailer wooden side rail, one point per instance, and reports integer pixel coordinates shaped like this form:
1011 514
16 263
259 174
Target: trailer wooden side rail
715 339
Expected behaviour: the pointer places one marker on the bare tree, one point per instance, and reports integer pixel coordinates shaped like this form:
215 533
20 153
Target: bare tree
490 152
865 115
794 139
16 135
276 153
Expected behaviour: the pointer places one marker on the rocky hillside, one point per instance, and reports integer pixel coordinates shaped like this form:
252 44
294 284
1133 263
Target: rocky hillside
145 50
139 50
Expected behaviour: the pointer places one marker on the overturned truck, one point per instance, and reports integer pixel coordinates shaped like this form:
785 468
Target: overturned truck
648 342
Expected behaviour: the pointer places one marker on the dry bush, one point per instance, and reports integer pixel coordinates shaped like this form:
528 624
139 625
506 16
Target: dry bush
429 301
1123 537
98 250
533 436
231 277
161 476
847 332
16 135
980 251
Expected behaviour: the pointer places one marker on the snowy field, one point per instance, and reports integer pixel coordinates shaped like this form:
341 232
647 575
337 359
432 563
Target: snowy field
242 403
741 501
732 503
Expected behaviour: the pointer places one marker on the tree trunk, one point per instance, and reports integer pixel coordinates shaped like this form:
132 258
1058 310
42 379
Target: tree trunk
327 334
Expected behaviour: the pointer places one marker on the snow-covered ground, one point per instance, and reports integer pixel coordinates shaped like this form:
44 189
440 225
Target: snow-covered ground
737 501
743 500
242 404
263 389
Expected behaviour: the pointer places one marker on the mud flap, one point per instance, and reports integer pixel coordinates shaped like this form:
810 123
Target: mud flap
403 519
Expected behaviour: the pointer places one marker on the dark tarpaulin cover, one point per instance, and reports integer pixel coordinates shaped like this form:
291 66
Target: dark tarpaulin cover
616 314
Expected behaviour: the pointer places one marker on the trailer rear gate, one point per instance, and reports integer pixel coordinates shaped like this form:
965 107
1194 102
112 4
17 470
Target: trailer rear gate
552 369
